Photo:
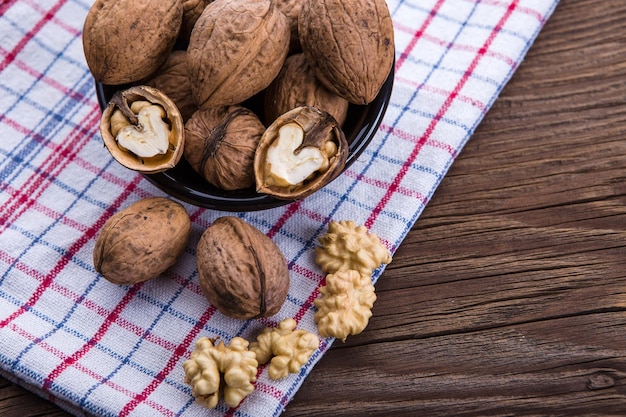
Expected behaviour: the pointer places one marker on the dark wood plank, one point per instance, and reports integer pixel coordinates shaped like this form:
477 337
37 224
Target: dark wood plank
508 297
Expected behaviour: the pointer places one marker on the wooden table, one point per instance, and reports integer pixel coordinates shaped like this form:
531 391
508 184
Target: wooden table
508 297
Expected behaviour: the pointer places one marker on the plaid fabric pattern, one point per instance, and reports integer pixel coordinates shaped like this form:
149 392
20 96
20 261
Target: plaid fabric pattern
99 349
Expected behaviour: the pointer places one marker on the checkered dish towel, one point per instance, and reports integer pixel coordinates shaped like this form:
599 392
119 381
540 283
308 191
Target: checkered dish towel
95 348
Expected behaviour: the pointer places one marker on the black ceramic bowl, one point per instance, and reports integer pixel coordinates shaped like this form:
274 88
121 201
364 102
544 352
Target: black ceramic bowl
183 183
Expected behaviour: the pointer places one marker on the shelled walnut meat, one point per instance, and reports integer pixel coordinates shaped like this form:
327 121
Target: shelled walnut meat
220 143
242 272
302 151
126 41
236 49
349 44
143 129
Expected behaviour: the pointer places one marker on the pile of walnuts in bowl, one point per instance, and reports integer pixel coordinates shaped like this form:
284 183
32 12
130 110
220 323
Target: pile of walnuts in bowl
186 71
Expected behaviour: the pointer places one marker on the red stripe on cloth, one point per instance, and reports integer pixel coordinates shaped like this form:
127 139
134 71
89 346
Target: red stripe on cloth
55 162
418 34
433 89
108 321
6 6
87 371
291 209
69 254
180 350
49 15
442 111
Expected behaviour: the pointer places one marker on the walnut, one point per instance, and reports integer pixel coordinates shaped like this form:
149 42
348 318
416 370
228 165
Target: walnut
172 79
143 129
296 85
192 9
291 9
140 242
126 40
213 369
287 348
347 246
242 272
345 304
236 49
302 151
349 44
220 143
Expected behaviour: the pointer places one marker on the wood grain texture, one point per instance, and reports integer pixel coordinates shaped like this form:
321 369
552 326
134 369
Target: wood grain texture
508 296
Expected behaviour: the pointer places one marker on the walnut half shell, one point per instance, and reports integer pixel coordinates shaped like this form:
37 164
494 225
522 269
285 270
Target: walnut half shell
299 153
143 129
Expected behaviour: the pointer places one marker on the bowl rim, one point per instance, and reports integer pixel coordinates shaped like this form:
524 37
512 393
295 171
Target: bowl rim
182 183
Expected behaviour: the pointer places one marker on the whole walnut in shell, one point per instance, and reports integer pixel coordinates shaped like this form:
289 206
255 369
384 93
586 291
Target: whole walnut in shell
143 240
220 143
236 49
172 79
296 85
242 272
127 40
349 44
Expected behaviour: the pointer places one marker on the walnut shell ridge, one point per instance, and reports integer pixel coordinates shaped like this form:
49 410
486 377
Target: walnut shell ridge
349 44
242 272
125 41
236 49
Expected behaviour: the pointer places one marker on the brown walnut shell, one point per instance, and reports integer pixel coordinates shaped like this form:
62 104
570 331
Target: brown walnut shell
192 9
143 240
236 49
319 129
122 100
242 272
349 44
220 143
296 85
291 9
127 40
172 79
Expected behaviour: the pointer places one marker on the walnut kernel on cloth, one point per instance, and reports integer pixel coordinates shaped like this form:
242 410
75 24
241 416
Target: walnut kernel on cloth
345 305
216 369
287 348
347 246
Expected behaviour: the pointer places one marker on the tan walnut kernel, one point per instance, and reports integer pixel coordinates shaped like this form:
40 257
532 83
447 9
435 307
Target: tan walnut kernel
285 348
345 304
143 129
216 369
299 153
347 246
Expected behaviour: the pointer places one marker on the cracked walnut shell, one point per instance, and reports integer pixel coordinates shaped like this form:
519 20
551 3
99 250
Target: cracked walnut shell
299 153
143 129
